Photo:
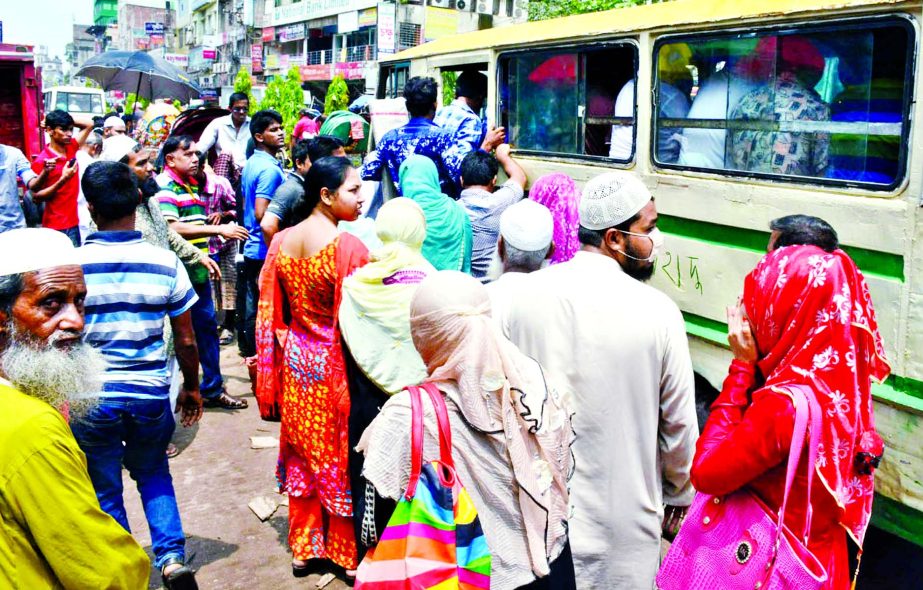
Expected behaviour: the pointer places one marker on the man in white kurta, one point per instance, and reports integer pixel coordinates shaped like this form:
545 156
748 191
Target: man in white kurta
620 347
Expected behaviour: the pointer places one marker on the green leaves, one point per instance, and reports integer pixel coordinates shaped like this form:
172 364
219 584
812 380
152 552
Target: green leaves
285 96
243 83
337 98
545 9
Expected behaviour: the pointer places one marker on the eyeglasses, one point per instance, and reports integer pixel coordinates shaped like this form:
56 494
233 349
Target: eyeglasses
240 109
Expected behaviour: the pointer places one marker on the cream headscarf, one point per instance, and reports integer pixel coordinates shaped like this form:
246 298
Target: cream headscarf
375 309
500 392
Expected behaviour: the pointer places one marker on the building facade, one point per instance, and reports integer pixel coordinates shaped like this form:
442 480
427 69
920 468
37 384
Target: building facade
81 48
142 25
321 38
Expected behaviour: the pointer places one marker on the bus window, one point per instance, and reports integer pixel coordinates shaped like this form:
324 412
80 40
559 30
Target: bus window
392 79
827 105
575 102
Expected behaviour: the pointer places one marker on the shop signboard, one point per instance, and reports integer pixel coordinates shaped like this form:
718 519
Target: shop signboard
351 70
269 34
180 60
291 32
315 72
256 58
314 9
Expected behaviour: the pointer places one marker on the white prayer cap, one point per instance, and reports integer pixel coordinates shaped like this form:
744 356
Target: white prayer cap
527 226
611 198
117 147
34 248
114 122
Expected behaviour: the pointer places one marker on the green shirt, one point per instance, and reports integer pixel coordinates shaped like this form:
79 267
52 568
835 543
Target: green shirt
181 202
52 532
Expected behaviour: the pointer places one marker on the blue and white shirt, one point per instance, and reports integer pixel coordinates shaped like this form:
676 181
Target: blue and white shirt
132 288
466 127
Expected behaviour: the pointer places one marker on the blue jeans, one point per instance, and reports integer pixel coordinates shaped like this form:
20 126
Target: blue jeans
134 433
205 324
73 233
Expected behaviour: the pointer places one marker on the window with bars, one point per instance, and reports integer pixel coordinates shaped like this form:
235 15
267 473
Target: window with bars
409 35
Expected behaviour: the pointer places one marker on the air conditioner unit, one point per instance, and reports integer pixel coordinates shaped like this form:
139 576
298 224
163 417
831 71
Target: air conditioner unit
205 81
484 6
520 10
464 5
440 3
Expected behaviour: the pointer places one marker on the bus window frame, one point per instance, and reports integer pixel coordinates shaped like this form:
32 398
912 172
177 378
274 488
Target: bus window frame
391 68
902 20
633 42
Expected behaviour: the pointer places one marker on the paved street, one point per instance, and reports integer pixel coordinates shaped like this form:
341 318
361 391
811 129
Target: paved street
216 475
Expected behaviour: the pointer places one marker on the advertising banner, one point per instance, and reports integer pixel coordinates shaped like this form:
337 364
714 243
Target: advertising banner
256 58
387 26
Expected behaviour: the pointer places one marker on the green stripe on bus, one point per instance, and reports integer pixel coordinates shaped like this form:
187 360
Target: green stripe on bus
872 262
898 519
902 392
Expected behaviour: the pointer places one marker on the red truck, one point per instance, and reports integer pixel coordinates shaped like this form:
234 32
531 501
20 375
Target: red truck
20 99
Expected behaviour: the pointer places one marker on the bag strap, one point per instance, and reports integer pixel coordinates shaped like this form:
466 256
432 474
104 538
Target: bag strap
442 419
813 450
416 440
803 410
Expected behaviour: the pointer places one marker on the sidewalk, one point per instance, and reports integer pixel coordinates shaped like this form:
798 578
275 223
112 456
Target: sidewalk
216 475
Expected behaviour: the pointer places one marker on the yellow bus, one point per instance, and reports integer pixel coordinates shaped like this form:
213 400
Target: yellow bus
657 90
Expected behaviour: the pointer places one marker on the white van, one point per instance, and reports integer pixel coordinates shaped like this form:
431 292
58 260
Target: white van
76 100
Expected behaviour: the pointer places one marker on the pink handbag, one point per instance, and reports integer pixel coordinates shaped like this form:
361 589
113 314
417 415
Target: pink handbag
733 542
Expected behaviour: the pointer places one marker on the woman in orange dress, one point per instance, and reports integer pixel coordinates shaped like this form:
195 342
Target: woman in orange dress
299 340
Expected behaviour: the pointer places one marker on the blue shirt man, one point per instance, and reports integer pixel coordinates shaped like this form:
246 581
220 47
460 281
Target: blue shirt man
419 136
461 117
261 177
13 165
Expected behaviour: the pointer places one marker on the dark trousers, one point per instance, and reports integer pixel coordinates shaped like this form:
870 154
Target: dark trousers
561 576
205 324
248 296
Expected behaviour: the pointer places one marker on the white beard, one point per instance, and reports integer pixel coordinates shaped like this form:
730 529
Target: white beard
55 375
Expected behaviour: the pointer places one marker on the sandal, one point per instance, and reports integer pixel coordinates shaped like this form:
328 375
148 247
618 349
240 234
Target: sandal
225 402
308 567
182 578
226 337
172 451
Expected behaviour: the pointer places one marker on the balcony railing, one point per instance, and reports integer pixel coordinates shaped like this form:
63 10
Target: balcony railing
356 53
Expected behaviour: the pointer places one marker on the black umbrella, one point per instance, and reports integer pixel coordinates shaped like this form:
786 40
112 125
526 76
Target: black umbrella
136 71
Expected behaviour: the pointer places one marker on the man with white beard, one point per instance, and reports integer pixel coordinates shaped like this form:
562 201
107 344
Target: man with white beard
52 531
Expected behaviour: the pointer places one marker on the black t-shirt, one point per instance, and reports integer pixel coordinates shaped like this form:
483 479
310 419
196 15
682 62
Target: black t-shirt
287 201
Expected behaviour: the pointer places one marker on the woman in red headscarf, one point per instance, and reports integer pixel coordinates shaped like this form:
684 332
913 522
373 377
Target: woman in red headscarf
806 320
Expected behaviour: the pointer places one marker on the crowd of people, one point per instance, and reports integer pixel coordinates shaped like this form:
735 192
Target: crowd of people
567 380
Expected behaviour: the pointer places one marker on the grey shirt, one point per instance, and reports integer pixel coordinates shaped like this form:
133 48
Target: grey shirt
289 198
13 164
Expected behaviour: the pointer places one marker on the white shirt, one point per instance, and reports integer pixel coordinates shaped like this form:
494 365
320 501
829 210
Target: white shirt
718 96
619 347
501 293
227 138
673 104
83 211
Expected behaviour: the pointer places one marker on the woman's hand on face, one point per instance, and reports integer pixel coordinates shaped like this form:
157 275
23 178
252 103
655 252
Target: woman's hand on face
743 345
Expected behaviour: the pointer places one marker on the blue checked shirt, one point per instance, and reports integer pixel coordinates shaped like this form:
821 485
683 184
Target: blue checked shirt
466 127
422 137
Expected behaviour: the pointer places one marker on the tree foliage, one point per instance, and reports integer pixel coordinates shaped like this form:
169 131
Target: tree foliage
545 9
130 101
243 83
449 81
337 98
285 96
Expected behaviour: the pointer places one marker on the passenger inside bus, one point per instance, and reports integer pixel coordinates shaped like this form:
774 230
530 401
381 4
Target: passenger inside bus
789 97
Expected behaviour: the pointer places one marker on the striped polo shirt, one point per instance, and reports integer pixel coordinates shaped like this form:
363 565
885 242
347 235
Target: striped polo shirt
180 201
132 288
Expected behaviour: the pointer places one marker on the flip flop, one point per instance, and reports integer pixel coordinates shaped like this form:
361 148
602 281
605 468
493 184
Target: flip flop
225 402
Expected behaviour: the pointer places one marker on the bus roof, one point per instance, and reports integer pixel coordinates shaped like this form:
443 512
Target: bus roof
620 20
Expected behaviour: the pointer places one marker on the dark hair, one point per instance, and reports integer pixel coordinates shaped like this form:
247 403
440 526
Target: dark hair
471 84
595 237
326 173
420 94
261 121
10 289
237 97
173 143
58 119
111 188
300 151
323 146
804 230
479 168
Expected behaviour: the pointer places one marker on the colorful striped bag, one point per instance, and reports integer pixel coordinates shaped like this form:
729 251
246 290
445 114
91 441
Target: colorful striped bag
434 538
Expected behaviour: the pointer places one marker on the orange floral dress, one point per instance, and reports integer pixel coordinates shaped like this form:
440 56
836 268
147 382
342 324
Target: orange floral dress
314 402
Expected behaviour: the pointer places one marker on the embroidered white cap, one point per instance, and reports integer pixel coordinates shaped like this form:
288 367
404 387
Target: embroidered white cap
611 198
34 248
527 226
